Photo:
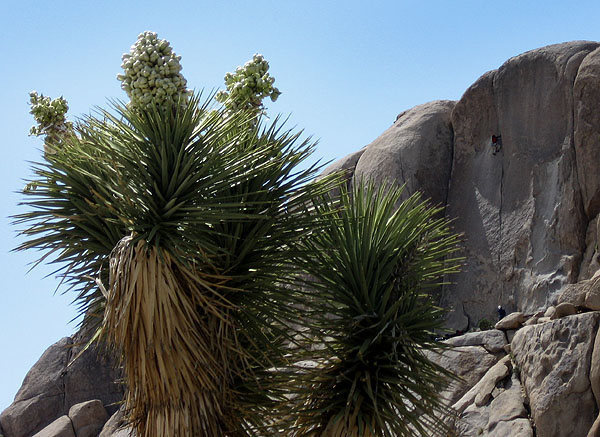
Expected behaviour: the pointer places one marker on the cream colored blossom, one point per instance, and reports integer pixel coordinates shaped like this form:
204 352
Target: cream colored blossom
152 73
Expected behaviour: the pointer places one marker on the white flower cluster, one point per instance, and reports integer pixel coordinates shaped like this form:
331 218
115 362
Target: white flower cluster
248 86
50 116
152 73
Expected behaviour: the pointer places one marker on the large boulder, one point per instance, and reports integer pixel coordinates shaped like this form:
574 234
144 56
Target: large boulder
52 387
521 210
554 359
416 151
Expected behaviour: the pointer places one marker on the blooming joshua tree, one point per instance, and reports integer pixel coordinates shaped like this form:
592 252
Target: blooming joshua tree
248 86
175 226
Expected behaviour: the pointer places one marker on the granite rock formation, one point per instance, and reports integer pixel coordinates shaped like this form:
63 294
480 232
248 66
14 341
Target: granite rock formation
529 216
528 213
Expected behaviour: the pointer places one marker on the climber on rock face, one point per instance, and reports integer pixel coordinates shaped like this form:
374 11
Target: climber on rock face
496 142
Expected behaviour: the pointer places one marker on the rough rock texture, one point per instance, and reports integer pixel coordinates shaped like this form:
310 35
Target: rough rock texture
585 293
507 406
554 359
50 388
113 424
501 412
591 258
468 362
472 421
40 399
564 309
595 369
61 427
416 151
88 418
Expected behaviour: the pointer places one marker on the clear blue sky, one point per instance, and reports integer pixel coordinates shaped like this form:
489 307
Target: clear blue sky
346 69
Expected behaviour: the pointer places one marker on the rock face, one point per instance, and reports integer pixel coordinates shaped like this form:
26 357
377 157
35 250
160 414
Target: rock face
51 388
522 209
530 219
527 213
554 360
586 93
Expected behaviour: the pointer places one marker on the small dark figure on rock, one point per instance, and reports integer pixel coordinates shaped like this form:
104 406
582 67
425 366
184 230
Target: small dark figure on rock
501 312
496 143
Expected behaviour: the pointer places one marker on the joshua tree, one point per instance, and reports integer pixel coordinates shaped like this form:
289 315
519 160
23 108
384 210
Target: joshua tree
176 225
371 269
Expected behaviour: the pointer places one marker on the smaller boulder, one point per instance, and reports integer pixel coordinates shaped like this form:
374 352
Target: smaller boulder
61 427
472 422
88 418
584 293
549 312
492 340
512 321
563 310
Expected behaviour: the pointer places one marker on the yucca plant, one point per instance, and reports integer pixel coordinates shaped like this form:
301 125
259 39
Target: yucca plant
175 225
371 317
